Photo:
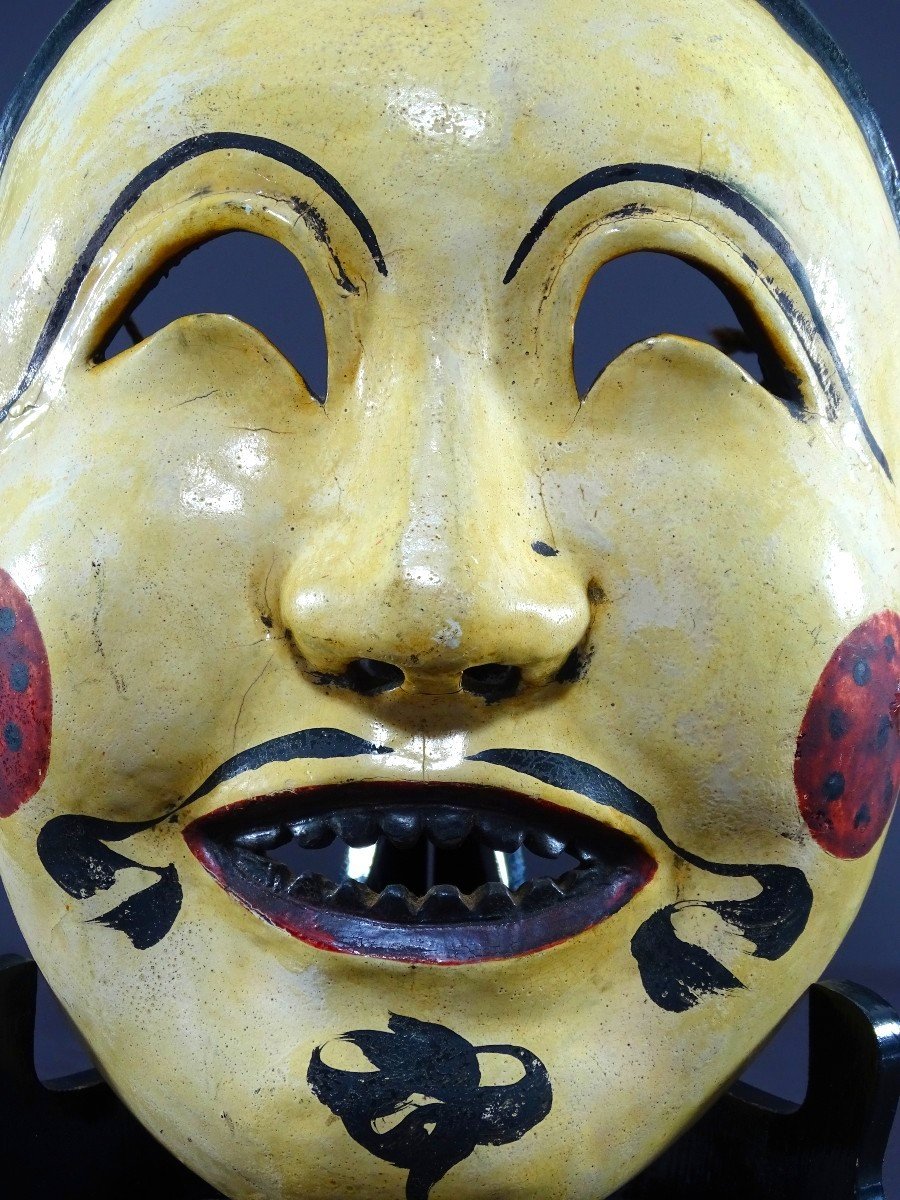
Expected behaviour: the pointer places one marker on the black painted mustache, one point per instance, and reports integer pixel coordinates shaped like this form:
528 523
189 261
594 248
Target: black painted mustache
307 743
676 975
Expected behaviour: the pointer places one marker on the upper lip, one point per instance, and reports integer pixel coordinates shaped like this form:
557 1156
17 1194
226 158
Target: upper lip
452 915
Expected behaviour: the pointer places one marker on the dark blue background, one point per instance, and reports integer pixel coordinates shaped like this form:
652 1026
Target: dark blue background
869 33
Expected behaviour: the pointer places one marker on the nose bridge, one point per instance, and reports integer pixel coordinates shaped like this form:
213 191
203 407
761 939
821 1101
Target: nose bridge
432 568
458 436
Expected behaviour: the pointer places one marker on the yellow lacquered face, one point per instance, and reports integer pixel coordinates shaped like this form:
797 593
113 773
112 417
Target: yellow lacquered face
609 682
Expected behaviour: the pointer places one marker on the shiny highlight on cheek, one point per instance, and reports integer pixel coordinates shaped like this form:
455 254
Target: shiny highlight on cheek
847 765
26 701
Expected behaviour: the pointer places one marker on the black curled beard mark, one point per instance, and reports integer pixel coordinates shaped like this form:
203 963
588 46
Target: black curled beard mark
74 850
677 974
429 1079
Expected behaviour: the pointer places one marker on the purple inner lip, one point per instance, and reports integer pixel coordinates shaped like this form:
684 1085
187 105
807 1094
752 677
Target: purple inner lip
440 873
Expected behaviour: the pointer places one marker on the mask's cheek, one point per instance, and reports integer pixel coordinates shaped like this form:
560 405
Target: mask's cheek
26 701
148 504
847 768
735 547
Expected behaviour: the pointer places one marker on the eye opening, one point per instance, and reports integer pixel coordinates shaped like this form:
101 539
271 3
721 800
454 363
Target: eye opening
237 273
647 293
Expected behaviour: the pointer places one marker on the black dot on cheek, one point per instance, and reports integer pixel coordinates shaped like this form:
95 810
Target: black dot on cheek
7 620
882 732
833 787
863 816
12 735
838 723
862 672
19 677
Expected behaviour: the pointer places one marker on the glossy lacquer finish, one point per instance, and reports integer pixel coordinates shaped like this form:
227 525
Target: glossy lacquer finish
453 608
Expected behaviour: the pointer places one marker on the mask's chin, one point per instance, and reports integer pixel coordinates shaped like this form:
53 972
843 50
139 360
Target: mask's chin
437 873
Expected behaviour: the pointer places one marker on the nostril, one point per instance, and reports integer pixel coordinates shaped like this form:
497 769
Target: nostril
575 666
369 677
492 681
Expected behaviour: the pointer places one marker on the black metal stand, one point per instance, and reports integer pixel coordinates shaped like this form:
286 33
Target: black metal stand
753 1146
74 1140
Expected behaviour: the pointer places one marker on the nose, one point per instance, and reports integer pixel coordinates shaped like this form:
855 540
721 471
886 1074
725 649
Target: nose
439 572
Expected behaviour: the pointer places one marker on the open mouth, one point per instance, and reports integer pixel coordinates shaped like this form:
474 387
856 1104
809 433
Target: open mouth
437 873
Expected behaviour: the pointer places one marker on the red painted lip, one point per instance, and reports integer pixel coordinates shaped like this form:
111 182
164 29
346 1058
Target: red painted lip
445 925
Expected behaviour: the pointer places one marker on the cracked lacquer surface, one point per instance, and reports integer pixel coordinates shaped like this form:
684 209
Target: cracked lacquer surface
661 607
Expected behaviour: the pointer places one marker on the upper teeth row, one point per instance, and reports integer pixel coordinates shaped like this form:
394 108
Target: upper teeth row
446 827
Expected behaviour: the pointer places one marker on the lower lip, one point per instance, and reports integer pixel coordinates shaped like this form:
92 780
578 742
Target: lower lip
445 944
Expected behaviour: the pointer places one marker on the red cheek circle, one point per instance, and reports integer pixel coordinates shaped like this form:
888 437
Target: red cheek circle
847 765
26 701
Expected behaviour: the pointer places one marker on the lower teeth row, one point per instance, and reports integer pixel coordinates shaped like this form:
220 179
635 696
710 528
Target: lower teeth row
443 903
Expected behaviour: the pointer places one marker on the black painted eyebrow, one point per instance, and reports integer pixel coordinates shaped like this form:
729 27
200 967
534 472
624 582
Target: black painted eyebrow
195 147
794 17
715 189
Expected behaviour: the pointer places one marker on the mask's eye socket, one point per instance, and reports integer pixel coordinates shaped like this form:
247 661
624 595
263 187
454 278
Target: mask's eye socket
646 294
243 275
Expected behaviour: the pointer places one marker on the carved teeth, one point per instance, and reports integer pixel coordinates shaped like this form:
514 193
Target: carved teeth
443 903
356 827
350 896
544 844
582 854
443 828
493 900
540 894
262 839
403 828
500 833
312 834
253 867
311 886
448 828
279 877
395 903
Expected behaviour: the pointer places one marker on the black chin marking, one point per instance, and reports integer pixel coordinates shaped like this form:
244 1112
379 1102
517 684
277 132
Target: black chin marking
437 873
424 1107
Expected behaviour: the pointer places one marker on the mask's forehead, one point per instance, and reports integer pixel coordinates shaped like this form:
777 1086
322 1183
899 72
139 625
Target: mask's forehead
453 127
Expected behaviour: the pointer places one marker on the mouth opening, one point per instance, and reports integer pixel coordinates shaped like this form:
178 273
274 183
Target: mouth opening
441 873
